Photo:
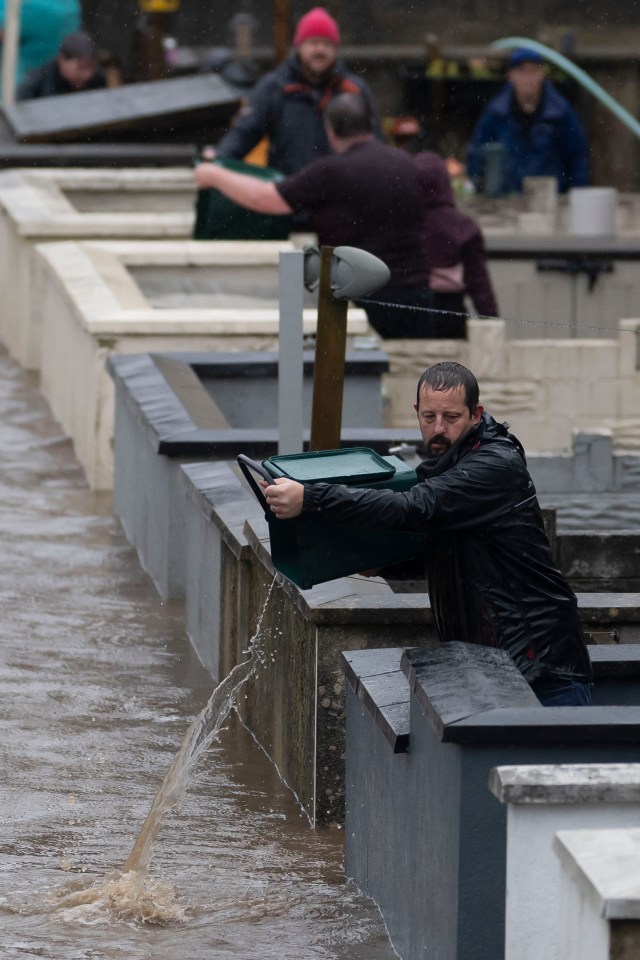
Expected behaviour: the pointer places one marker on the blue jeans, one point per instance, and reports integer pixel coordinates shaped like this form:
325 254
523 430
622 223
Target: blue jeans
562 693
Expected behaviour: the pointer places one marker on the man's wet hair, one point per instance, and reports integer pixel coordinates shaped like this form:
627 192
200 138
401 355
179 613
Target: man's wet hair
78 46
449 375
349 115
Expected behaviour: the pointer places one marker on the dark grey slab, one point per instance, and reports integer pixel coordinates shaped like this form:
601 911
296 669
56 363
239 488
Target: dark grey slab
594 560
475 695
163 104
609 607
615 661
359 664
546 725
165 412
527 246
224 503
384 691
454 681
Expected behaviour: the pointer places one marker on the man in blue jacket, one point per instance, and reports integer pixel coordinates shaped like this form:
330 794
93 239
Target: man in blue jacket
538 130
288 104
490 573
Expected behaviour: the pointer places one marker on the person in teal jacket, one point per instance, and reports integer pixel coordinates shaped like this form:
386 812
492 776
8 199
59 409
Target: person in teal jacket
43 24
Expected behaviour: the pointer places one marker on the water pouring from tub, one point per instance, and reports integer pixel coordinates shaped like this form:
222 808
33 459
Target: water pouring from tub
343 273
128 894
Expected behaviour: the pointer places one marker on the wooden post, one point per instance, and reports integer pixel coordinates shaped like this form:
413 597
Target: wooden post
10 48
328 374
281 29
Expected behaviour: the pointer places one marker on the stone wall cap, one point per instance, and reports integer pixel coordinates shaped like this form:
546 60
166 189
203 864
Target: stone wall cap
606 864
457 682
566 783
378 682
222 499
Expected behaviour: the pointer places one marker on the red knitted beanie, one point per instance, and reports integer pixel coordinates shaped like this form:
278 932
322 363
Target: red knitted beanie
317 23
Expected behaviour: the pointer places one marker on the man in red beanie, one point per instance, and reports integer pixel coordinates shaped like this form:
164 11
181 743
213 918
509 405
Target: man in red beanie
288 104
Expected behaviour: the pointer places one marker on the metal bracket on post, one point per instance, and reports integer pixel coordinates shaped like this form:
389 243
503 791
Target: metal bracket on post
290 355
345 272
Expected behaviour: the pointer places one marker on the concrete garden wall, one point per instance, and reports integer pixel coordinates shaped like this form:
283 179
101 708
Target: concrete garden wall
91 307
423 834
64 204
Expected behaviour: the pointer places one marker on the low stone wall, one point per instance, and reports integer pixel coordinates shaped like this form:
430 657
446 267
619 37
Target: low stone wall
599 894
423 834
540 801
90 307
39 206
167 415
546 389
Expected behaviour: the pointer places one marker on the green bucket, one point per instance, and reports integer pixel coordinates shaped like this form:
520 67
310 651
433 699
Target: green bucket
311 550
218 218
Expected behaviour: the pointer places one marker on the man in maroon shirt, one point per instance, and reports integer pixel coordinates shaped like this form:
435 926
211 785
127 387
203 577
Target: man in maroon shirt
365 195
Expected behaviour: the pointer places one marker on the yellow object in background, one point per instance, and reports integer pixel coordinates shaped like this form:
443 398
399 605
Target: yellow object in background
259 155
159 6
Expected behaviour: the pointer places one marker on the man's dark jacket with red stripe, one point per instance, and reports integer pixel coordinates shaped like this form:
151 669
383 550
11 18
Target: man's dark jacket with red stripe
490 573
286 108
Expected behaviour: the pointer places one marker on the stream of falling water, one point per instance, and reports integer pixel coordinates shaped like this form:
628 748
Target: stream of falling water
129 893
97 683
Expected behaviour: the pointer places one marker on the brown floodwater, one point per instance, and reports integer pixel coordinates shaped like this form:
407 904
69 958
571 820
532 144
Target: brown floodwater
98 686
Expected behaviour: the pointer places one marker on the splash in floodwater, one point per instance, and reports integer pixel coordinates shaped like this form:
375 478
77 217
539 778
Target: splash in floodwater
124 898
129 894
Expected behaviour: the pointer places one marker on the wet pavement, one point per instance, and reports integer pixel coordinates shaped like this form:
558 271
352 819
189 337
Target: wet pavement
97 687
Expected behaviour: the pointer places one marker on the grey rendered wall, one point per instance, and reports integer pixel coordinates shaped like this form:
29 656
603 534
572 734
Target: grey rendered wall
146 502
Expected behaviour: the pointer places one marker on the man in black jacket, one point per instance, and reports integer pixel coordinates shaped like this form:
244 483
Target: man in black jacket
74 69
288 104
364 196
490 573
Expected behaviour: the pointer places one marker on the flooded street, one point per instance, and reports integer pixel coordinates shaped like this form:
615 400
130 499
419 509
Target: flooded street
97 687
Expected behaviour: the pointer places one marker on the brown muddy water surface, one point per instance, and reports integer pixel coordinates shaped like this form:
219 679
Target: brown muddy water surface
97 688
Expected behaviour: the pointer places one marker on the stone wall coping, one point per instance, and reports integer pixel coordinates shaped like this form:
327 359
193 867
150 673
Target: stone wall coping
606 864
566 783
614 606
456 681
36 203
565 246
476 695
108 178
136 252
104 306
376 678
92 155
615 661
172 432
218 493
372 675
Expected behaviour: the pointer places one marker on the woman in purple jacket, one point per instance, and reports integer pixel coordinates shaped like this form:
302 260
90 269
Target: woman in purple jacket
454 249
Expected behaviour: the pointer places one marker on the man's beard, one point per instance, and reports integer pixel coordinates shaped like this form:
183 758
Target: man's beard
443 444
317 70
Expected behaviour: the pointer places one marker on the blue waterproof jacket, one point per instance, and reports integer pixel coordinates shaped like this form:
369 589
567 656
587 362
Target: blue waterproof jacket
43 25
554 146
284 107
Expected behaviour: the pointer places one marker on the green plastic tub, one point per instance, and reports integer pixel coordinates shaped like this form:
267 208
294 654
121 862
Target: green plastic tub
311 550
218 218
